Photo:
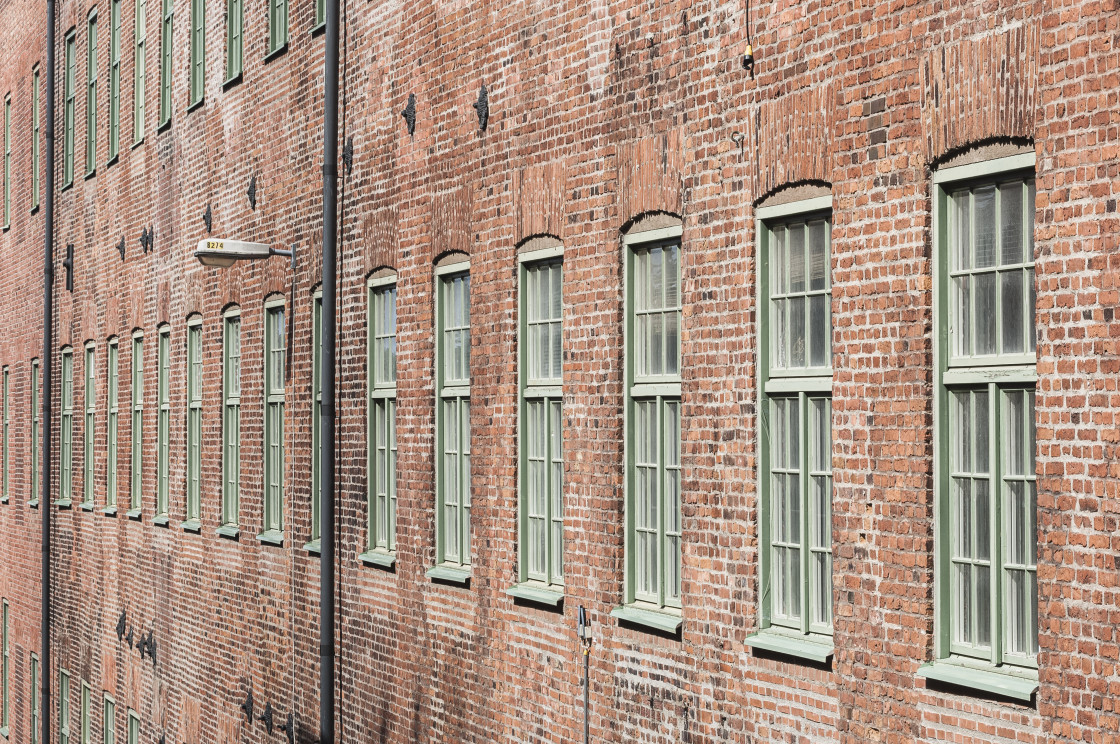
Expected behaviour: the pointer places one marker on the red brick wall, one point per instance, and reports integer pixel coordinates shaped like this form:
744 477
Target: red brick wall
601 112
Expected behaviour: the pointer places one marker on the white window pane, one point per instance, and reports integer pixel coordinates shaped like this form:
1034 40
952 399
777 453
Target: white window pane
984 312
961 230
819 333
984 229
797 332
1011 288
1011 223
797 258
818 255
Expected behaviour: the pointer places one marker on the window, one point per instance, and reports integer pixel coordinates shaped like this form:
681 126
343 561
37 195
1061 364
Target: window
165 49
69 96
140 75
163 421
34 699
133 727
7 161
541 446
274 357
67 454
137 430
35 464
85 720
111 404
89 431
653 401
91 93
7 423
108 720
795 429
987 597
198 50
277 25
194 421
231 418
235 19
320 13
316 413
34 139
114 78
5 669
453 420
381 423
63 707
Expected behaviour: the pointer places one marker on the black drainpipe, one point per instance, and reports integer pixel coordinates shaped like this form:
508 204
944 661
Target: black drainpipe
326 467
45 505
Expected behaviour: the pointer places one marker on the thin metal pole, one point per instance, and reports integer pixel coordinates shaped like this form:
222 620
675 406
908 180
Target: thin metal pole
327 375
48 367
587 694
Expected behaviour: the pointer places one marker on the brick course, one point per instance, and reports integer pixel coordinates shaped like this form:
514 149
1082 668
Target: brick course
602 112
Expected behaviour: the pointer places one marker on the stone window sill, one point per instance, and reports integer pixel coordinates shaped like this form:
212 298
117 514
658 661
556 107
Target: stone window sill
801 647
272 537
537 593
450 575
1020 685
161 521
192 525
313 547
229 530
660 621
379 558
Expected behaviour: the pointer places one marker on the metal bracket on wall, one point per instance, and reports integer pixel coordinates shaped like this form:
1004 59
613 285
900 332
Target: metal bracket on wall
120 247
122 624
290 729
409 114
208 218
69 264
129 638
266 717
252 192
348 154
482 108
247 706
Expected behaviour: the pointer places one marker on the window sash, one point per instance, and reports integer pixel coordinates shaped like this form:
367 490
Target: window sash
34 140
7 161
34 699
67 460
231 420
84 721
234 25
455 330
274 419
133 728
542 489
655 311
68 114
140 72
991 272
64 707
453 429
163 424
316 410
542 342
91 94
277 25
5 666
7 432
194 422
166 39
799 328
89 431
137 429
35 429
198 50
114 78
381 428
655 501
112 404
109 721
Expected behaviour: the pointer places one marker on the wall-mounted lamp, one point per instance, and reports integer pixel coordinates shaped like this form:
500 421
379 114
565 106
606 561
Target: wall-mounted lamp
224 253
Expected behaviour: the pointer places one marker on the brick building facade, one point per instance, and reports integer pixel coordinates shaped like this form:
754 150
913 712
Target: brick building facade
626 141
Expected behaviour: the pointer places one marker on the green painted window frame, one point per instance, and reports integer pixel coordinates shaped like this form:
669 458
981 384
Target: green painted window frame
89 431
114 79
5 669
652 396
63 706
381 416
198 52
84 721
66 456
194 422
166 59
277 26
91 93
453 543
140 71
112 406
275 349
35 433
133 727
235 26
69 106
35 696
163 421
108 719
5 493
7 161
320 15
316 413
35 133
231 418
988 382
540 446
136 430
794 442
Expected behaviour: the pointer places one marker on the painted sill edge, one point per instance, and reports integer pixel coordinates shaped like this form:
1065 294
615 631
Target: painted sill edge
660 621
779 643
161 521
86 506
191 525
228 530
63 503
536 594
447 574
272 537
1017 687
5 500
109 511
313 547
34 503
133 514
378 558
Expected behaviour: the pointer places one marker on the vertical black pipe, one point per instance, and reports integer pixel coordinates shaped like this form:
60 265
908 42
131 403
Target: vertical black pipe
45 505
327 375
